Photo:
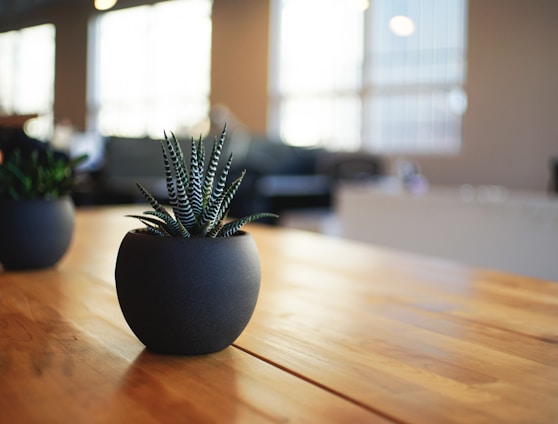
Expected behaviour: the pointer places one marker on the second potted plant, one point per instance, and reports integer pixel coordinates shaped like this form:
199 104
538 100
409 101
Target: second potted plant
36 210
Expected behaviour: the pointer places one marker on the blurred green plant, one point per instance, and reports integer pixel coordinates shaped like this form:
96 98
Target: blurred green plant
38 175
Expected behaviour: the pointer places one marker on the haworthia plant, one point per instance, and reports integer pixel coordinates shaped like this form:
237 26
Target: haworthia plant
199 198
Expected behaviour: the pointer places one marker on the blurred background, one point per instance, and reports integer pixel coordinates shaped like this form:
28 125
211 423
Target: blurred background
329 104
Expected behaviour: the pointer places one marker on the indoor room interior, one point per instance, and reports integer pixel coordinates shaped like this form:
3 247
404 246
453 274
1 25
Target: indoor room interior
496 179
279 211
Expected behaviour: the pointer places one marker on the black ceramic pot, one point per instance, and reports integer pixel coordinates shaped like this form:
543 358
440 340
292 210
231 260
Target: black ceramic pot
35 233
187 296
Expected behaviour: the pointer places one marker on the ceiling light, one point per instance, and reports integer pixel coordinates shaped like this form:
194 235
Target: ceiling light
360 4
104 4
402 26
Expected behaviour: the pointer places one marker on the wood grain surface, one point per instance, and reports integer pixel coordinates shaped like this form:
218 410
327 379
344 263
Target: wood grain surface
343 332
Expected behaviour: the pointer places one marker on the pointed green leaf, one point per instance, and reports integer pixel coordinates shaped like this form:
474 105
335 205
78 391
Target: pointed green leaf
232 227
174 227
212 167
226 198
181 207
212 209
195 185
151 200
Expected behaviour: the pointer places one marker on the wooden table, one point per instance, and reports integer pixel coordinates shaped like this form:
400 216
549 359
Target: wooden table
343 332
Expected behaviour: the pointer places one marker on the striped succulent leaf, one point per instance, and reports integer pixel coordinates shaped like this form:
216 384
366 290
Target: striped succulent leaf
212 168
195 194
151 200
153 229
199 202
174 227
222 205
212 211
232 227
153 225
171 188
178 183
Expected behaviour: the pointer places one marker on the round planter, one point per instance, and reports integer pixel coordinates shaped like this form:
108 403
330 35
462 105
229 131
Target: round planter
187 296
35 233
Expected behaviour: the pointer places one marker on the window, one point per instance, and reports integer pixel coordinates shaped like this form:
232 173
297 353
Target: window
27 76
152 69
384 76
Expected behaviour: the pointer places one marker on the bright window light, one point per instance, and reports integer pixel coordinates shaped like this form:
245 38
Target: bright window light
387 76
152 69
315 88
27 76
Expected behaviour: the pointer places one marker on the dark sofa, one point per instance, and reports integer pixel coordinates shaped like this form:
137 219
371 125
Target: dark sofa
278 176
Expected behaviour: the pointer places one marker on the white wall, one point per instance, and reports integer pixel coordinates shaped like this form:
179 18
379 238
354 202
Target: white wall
509 231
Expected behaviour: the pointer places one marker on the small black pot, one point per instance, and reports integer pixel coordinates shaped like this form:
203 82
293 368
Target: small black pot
35 233
187 296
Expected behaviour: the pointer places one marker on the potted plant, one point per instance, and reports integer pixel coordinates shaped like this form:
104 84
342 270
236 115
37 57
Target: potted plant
36 210
187 282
